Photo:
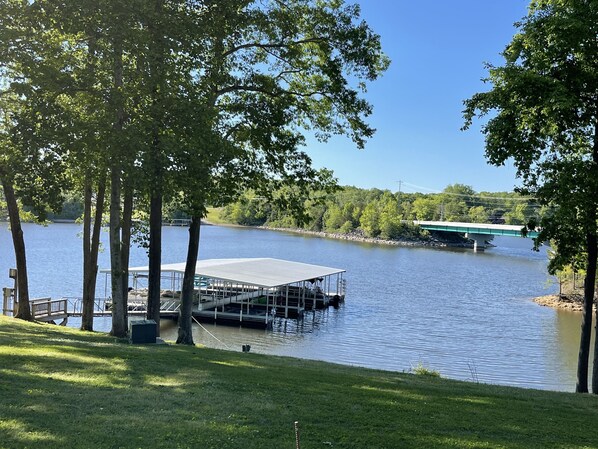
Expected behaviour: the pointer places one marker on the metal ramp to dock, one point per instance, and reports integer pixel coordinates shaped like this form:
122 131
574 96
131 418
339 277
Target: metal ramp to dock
215 302
170 307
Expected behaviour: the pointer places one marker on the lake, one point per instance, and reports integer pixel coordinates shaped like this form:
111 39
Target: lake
468 315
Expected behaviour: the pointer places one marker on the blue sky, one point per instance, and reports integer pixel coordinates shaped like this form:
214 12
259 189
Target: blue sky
438 49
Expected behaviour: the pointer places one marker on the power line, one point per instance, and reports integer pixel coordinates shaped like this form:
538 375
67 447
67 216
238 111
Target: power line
520 198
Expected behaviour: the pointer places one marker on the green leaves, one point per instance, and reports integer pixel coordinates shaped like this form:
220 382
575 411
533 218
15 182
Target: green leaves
543 106
201 99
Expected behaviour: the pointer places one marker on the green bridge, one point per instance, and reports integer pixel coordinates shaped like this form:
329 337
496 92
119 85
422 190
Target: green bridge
480 233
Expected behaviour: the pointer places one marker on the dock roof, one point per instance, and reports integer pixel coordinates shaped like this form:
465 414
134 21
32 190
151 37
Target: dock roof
261 272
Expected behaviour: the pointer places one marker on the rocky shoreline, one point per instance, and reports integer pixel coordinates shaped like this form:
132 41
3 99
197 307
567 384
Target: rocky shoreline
572 303
359 237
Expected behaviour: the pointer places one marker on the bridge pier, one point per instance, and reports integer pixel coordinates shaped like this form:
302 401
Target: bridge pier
480 241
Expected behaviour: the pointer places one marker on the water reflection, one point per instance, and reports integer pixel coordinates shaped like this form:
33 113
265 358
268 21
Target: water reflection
567 326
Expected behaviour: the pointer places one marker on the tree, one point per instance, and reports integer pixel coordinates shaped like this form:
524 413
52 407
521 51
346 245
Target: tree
478 214
370 221
30 161
232 86
389 220
544 116
333 218
266 73
29 175
456 199
426 208
516 216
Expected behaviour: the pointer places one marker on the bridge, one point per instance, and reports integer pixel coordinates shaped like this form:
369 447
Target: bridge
480 233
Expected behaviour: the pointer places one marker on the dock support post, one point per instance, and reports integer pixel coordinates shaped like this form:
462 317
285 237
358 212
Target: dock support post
303 293
286 307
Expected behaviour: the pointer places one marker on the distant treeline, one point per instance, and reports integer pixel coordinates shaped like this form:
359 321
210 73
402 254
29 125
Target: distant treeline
370 212
382 213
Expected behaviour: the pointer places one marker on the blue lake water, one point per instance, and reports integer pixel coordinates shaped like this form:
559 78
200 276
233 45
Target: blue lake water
467 315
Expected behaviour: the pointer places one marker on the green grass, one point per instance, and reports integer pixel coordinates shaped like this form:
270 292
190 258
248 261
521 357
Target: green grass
61 388
422 370
213 216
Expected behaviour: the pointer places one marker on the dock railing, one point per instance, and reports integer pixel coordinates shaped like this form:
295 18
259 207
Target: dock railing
48 309
103 306
177 222
75 306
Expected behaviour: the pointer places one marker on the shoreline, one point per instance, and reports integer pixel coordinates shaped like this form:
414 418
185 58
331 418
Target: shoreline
569 303
431 242
353 237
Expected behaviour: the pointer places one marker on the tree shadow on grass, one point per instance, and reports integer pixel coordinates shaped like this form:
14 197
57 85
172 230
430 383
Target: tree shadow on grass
60 388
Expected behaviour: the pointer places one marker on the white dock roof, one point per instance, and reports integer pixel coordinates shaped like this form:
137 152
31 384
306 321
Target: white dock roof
262 272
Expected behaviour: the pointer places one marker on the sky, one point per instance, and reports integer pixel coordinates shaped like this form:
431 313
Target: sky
437 49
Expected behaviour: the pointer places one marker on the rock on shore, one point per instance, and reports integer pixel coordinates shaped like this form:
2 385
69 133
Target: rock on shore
573 302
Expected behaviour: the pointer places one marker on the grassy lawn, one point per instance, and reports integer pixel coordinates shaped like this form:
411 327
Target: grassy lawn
61 388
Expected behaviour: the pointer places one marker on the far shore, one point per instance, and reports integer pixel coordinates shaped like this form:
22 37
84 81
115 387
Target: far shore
433 242
356 237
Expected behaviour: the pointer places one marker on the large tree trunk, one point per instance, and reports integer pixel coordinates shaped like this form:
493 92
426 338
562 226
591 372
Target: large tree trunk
127 223
91 246
155 165
588 299
119 324
155 260
586 320
185 336
588 296
119 317
86 316
23 309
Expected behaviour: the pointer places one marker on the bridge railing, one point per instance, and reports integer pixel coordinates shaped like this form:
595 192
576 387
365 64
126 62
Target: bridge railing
476 228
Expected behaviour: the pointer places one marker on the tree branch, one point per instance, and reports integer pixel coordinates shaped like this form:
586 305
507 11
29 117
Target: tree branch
272 93
266 46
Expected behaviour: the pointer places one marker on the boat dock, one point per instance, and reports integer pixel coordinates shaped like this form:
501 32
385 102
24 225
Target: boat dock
248 292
